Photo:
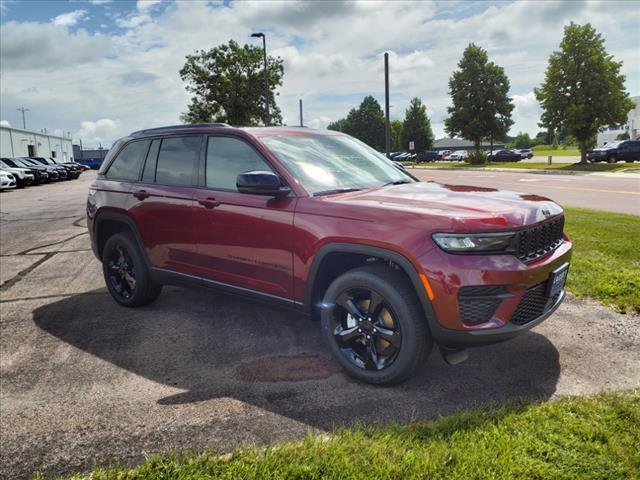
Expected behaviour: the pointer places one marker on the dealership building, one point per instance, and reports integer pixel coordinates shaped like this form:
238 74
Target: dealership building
609 133
16 142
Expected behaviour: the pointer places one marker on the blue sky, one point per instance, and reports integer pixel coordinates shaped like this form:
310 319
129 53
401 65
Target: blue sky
101 69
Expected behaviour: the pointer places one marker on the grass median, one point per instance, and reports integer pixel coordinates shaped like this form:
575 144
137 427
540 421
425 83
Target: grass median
586 438
560 167
606 263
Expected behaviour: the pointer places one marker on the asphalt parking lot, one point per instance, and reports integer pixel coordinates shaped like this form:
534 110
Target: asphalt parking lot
85 381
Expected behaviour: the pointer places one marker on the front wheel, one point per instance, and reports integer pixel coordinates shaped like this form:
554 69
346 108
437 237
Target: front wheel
374 325
612 159
126 274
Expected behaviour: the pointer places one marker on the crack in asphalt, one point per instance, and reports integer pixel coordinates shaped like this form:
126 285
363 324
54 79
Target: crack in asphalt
47 256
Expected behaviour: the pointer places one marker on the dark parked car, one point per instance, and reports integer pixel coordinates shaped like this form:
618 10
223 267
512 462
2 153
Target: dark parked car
627 150
506 156
390 265
427 156
53 173
66 172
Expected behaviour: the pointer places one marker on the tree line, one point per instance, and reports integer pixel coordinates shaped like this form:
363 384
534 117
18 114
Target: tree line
583 89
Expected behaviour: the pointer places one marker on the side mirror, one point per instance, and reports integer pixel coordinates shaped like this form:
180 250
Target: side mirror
261 183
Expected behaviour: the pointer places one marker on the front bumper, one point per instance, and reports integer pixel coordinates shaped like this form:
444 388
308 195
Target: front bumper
514 283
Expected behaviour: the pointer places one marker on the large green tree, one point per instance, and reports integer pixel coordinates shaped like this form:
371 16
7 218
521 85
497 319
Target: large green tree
366 123
479 93
395 127
583 88
227 83
522 140
417 127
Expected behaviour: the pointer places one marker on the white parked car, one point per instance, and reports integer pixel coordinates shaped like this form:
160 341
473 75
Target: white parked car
459 155
22 175
7 180
525 152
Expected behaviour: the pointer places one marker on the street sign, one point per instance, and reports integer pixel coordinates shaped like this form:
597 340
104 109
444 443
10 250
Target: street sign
412 145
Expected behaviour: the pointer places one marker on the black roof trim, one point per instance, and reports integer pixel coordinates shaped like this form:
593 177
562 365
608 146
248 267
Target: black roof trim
179 127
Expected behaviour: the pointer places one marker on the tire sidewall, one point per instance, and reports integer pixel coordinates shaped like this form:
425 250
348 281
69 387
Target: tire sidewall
142 276
412 337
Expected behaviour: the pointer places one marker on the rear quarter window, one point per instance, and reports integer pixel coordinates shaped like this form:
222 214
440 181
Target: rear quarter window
126 166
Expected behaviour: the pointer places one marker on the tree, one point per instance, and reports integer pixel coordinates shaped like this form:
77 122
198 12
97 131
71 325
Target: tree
522 140
479 92
366 123
623 136
583 88
227 83
338 125
417 127
396 135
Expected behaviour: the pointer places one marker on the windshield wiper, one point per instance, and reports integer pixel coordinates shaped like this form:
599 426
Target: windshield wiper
397 182
336 190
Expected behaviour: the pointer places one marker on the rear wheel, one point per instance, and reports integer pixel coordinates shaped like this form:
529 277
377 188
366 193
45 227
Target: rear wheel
612 159
126 274
374 326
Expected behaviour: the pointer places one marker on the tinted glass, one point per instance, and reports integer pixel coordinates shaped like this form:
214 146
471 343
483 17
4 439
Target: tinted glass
127 164
149 174
226 158
177 160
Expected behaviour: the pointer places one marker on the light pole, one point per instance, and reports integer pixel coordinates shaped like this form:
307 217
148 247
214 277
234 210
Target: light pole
266 76
24 123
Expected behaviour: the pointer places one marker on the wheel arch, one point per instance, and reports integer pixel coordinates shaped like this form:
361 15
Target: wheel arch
109 223
333 259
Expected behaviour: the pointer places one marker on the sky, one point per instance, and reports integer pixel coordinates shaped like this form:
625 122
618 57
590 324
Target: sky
101 69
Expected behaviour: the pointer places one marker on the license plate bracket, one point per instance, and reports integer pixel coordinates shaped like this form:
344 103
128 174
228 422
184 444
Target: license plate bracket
557 279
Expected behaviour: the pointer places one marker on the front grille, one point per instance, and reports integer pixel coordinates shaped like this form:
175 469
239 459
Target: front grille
535 242
533 304
479 304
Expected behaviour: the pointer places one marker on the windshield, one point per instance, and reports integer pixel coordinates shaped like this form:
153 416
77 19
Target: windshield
611 145
326 163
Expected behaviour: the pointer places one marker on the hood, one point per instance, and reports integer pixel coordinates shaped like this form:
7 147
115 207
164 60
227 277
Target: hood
434 205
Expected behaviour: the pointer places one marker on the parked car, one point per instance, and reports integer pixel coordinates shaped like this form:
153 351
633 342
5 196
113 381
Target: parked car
23 176
7 180
389 264
525 153
627 150
459 155
427 156
444 154
91 164
65 172
74 168
41 173
505 156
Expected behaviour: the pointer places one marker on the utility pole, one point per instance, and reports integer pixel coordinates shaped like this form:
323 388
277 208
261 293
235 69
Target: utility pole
24 122
387 127
301 122
267 120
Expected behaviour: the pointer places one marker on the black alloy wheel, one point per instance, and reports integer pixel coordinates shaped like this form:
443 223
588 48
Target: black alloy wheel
122 272
365 330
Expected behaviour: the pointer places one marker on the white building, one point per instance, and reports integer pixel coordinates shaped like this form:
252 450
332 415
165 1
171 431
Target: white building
16 142
610 133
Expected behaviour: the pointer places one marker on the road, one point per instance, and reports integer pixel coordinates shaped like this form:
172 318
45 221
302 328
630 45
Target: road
85 381
613 192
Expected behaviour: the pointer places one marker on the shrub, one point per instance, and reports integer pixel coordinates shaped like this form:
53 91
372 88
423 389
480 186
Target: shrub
478 158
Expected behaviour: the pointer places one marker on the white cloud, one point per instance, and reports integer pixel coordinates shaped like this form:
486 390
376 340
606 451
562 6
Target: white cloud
99 2
69 19
4 123
98 132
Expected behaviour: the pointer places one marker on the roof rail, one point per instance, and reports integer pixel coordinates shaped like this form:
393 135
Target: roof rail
179 127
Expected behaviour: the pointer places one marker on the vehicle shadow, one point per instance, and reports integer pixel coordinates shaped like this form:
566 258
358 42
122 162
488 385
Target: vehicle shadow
214 346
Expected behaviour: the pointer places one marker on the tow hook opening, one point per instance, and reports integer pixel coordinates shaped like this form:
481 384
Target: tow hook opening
453 355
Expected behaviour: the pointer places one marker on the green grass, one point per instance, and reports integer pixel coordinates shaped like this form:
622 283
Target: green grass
570 152
573 438
568 167
606 259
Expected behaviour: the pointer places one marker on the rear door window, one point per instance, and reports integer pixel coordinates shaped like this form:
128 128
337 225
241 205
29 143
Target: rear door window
178 160
127 164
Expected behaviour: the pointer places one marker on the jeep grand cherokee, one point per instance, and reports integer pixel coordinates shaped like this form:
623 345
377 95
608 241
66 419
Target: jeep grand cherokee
319 222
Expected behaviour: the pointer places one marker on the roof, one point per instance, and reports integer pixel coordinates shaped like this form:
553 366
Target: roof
217 127
461 143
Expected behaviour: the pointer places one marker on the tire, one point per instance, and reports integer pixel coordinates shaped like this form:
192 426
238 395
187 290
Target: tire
399 303
612 159
145 290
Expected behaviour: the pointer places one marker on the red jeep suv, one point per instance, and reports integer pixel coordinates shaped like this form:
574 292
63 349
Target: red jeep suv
319 222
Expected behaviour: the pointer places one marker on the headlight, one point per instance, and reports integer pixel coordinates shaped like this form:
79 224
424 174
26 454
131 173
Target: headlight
481 242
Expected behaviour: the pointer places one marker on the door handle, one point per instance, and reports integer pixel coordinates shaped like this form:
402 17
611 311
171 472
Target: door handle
209 202
141 194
